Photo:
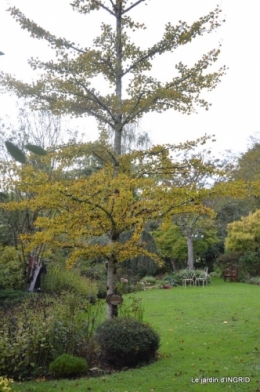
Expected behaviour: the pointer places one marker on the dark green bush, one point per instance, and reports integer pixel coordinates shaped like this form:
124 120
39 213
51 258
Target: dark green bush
68 366
125 342
9 297
249 264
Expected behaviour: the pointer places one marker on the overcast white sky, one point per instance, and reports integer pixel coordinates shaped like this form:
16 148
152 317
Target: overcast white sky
234 114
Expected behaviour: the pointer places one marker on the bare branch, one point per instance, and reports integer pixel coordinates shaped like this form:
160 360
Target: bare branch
131 114
113 5
174 206
141 59
40 33
104 7
107 61
69 46
86 109
96 99
99 157
89 202
143 109
132 6
113 158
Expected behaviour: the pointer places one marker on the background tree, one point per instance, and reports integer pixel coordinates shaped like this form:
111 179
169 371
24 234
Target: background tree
171 245
228 210
200 176
40 128
198 230
243 170
244 235
172 241
248 169
141 265
248 163
243 238
133 138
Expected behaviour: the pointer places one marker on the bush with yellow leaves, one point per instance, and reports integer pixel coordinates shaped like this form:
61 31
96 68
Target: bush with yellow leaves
5 384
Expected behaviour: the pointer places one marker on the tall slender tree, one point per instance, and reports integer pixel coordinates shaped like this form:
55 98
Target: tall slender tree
65 85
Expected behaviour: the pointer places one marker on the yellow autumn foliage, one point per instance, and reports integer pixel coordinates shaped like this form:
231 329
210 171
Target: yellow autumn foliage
123 195
244 235
68 207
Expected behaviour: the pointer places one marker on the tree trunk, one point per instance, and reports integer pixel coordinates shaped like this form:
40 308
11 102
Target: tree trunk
118 82
174 268
190 252
111 265
111 278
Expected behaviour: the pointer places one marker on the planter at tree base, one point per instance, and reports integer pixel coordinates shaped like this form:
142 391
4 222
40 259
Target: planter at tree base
114 299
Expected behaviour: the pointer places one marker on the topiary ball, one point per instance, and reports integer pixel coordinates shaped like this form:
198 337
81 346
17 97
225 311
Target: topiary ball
67 365
126 342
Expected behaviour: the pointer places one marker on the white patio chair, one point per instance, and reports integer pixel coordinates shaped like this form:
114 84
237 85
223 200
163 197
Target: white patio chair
203 277
188 277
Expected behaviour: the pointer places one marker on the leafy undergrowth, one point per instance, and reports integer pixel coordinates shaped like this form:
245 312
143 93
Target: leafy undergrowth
207 334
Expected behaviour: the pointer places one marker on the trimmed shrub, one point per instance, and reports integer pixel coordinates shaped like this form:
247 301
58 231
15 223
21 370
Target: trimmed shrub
68 366
125 342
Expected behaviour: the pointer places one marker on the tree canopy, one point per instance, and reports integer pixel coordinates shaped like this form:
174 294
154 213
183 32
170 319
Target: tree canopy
71 210
66 82
244 235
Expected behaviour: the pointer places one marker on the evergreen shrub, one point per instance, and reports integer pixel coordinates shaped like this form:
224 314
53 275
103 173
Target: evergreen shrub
67 365
126 342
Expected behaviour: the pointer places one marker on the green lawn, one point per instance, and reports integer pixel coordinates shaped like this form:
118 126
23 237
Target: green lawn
210 332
